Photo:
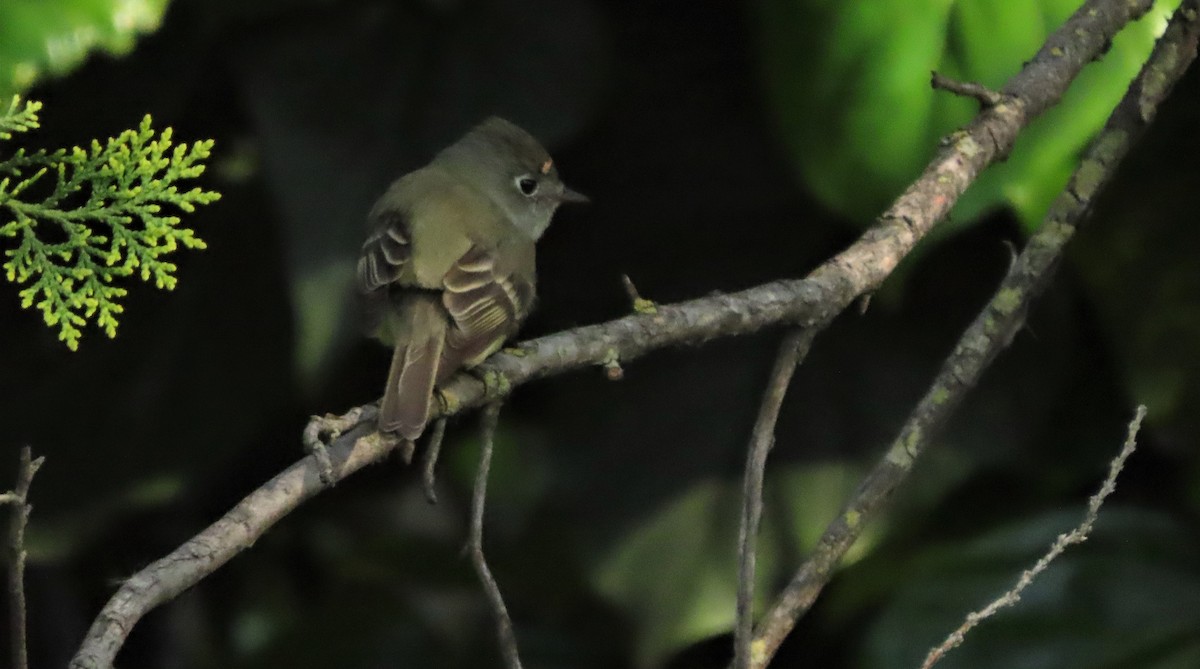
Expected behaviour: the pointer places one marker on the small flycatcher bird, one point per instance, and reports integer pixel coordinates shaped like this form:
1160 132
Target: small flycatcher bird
448 271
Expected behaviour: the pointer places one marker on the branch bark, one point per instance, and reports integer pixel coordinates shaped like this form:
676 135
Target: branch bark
802 302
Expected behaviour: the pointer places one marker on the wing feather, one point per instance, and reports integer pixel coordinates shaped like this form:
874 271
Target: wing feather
439 320
385 253
486 306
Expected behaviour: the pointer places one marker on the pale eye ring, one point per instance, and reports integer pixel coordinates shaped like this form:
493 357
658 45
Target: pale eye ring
527 185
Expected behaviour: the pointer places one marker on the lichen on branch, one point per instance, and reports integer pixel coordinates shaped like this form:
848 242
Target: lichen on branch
85 218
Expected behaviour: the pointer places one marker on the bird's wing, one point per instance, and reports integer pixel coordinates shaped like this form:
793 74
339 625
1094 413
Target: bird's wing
385 253
486 304
447 306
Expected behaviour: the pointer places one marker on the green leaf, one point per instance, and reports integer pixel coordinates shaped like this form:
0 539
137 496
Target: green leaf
676 575
849 85
1128 598
40 38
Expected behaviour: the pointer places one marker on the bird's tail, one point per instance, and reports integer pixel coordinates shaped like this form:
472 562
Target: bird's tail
420 340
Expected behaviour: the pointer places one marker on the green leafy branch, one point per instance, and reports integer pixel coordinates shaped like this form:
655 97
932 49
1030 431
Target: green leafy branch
84 218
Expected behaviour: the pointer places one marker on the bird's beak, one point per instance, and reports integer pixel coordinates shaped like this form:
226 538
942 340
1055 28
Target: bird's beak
568 195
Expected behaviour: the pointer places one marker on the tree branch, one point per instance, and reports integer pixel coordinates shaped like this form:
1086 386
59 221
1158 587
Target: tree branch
18 498
993 329
234 532
792 351
815 299
504 627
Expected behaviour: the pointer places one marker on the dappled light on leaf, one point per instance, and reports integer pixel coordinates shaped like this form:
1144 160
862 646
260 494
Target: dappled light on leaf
676 573
849 86
1128 598
52 38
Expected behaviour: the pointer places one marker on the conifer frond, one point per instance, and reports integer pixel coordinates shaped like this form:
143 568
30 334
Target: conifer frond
18 117
84 219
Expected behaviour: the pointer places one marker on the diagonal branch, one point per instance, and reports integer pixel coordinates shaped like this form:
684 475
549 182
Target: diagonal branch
814 299
163 579
993 329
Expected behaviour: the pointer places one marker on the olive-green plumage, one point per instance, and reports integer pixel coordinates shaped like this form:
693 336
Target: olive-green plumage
448 270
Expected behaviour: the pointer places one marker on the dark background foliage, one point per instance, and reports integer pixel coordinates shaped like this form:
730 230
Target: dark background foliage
613 506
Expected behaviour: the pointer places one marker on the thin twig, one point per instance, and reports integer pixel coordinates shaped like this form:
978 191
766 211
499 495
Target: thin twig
504 627
18 498
1075 536
432 449
993 329
970 89
792 351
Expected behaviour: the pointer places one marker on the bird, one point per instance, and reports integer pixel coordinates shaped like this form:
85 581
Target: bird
448 269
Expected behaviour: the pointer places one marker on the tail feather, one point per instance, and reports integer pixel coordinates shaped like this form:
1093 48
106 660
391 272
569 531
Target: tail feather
406 398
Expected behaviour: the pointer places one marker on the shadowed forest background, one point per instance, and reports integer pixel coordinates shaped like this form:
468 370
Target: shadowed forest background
723 145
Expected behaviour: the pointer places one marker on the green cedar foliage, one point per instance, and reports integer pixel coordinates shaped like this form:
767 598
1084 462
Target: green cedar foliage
84 218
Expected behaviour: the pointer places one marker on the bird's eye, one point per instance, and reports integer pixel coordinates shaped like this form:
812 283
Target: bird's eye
527 185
